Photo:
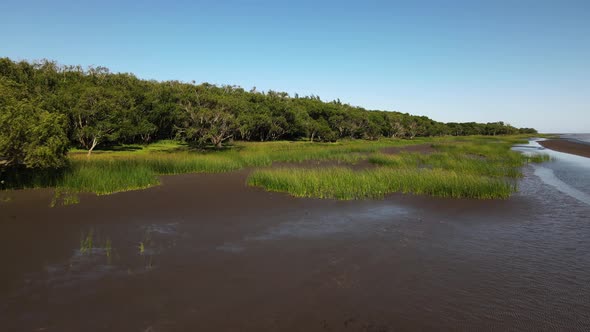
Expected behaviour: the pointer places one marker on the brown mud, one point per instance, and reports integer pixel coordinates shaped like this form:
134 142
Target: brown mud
567 146
204 252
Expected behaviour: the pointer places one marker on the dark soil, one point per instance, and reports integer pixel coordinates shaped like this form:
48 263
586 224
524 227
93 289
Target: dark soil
567 146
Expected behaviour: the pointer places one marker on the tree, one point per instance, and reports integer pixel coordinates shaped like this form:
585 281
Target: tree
105 108
202 125
96 117
29 136
412 129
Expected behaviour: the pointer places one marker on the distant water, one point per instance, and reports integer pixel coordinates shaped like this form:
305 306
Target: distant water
577 137
566 172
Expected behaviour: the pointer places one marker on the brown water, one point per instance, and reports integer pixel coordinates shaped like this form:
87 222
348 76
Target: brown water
218 256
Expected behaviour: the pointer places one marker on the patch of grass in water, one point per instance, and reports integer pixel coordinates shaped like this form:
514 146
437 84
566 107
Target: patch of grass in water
63 197
346 184
141 248
108 249
107 176
475 167
538 158
86 242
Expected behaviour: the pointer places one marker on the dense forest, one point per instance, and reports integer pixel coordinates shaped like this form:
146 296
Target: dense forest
46 108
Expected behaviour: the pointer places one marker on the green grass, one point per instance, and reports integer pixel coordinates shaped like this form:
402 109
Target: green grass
474 167
343 183
133 167
106 177
463 164
503 164
479 167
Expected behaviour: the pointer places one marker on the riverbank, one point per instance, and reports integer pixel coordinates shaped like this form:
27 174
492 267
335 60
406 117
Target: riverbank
567 146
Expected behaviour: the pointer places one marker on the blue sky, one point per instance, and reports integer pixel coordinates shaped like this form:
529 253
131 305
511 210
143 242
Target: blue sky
523 62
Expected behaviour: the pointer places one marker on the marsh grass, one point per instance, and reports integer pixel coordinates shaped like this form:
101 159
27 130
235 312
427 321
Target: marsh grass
344 183
63 197
538 158
133 167
106 177
460 165
475 167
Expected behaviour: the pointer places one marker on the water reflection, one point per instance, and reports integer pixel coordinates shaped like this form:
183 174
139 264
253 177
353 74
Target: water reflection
567 173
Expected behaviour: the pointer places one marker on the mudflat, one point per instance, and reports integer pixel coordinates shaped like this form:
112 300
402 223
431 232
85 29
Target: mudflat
204 252
567 146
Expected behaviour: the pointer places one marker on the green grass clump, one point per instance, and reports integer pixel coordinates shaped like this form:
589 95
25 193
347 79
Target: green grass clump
464 164
537 158
481 156
466 167
106 177
343 183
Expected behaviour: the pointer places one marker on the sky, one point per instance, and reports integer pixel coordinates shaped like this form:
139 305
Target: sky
523 62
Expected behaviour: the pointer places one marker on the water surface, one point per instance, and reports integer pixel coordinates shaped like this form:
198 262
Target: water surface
205 252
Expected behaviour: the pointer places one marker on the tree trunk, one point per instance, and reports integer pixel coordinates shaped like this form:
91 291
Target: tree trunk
94 144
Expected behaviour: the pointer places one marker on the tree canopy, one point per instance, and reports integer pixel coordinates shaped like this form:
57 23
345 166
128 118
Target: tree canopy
46 108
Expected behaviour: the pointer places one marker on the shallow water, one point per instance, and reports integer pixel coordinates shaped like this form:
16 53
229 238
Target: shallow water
218 256
584 138
567 173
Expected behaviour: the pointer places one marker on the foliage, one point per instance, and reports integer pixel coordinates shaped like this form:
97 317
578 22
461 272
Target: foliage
29 136
106 109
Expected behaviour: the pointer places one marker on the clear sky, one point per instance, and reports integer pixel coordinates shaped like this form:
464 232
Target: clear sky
523 62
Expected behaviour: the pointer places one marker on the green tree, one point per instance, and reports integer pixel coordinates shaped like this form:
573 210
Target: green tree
202 125
30 136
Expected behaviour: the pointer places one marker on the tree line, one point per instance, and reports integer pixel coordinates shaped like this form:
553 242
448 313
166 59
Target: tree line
46 108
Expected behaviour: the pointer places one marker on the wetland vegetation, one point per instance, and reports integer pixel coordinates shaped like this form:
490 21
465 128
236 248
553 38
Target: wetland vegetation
90 130
477 167
473 167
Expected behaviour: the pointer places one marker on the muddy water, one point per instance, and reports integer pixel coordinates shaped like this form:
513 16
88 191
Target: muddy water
206 253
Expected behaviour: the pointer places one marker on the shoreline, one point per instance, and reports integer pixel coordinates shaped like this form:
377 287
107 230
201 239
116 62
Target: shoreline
567 146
